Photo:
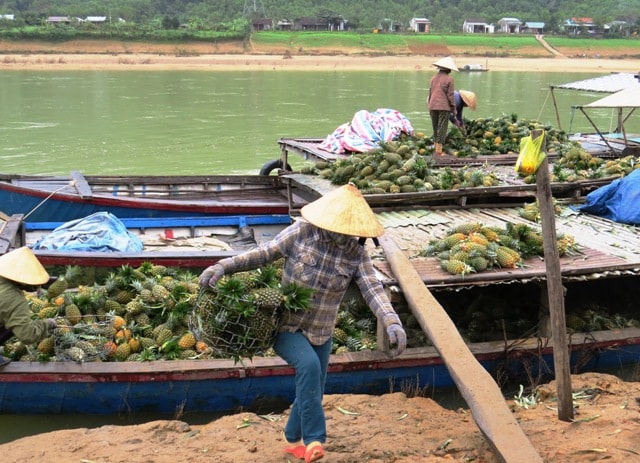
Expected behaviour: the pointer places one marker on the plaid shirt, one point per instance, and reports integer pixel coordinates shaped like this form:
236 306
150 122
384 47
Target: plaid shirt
314 260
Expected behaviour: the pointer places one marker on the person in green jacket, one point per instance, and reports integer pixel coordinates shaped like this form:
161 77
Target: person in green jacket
20 270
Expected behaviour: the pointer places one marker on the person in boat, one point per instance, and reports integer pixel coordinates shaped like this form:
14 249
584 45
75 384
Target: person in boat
463 99
440 101
323 251
20 270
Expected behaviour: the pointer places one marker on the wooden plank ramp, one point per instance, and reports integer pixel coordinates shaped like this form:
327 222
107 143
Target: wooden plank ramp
477 387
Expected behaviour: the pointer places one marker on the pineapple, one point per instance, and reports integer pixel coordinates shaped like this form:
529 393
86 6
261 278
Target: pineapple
123 351
267 298
163 335
262 326
73 314
467 228
135 345
456 267
159 292
46 346
59 286
507 257
48 311
453 239
187 341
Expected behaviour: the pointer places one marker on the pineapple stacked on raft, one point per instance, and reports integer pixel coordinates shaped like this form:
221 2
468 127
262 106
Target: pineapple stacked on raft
20 270
323 252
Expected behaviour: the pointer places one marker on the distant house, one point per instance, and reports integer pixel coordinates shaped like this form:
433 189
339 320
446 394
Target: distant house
510 25
59 20
320 24
477 26
533 27
618 26
577 26
262 24
420 25
96 19
284 24
7 17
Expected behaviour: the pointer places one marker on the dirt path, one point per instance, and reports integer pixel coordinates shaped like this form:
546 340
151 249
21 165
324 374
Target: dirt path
366 429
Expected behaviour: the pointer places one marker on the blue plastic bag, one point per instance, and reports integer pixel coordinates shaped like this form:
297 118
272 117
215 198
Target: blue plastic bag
100 232
618 201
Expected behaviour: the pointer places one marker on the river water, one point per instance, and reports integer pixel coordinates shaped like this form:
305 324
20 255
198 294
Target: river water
194 122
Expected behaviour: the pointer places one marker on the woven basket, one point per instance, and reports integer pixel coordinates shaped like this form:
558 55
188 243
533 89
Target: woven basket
231 333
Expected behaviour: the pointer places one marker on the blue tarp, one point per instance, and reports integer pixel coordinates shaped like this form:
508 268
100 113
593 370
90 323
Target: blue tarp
101 232
618 201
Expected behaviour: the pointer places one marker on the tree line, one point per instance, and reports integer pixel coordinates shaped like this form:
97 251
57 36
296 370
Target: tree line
447 16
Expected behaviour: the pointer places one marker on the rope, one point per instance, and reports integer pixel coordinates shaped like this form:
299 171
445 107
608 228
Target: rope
71 183
543 105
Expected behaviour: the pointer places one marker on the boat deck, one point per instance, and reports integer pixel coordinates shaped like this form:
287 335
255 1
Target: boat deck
308 149
606 248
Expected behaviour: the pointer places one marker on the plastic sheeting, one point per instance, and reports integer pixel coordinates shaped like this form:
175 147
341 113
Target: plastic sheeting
617 201
366 130
99 232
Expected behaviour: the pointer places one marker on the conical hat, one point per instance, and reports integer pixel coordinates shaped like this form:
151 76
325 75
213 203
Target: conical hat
344 210
22 266
469 98
446 63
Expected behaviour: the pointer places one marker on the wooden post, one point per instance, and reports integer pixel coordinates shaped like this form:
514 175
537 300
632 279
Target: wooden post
555 291
486 402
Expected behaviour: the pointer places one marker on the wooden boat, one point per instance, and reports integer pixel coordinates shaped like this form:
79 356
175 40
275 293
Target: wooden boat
222 386
179 386
65 198
172 241
473 68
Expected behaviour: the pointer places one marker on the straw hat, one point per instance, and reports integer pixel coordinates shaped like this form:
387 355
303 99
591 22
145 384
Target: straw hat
469 98
345 211
446 63
22 266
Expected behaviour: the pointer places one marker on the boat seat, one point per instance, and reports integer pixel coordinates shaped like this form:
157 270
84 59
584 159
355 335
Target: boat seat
81 184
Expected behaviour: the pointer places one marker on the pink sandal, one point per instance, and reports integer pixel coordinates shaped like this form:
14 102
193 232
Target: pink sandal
314 452
297 451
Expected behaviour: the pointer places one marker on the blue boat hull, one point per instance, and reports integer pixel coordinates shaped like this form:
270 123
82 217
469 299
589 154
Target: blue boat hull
221 386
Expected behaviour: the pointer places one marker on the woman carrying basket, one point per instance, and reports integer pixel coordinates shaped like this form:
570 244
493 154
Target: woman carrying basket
322 252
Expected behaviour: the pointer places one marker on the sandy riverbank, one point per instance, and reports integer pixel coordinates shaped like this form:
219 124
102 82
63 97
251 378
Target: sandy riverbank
254 62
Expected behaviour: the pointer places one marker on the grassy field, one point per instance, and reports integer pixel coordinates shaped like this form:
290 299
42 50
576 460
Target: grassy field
497 45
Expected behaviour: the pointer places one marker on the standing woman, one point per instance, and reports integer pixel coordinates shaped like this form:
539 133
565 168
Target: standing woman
440 102
323 252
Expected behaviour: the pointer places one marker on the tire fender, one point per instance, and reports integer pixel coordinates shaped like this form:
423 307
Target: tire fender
272 165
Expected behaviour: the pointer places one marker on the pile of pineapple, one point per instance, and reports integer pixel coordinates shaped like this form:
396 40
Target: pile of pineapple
487 136
137 314
239 317
472 247
156 313
398 166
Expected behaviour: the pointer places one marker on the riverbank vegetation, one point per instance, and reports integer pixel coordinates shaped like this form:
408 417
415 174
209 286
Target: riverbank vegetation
360 15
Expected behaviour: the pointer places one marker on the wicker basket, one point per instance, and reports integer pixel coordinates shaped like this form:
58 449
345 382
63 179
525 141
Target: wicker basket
232 333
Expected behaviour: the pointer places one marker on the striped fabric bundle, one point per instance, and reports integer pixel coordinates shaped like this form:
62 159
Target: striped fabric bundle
366 130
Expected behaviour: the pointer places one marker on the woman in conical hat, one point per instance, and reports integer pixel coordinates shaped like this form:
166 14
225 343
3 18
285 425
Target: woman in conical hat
20 268
462 98
322 253
440 101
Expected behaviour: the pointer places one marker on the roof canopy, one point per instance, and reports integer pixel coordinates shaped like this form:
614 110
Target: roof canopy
609 83
627 98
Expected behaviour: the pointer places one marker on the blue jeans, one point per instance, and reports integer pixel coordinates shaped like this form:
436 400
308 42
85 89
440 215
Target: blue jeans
307 420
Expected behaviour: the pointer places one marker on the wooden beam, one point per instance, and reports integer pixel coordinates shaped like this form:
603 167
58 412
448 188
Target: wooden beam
555 290
482 394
